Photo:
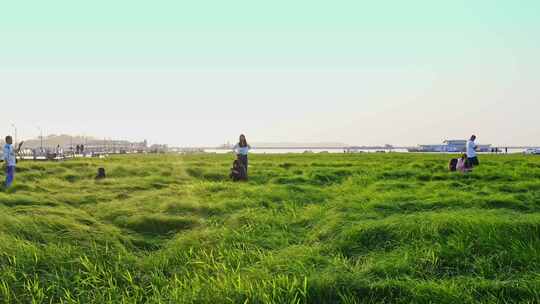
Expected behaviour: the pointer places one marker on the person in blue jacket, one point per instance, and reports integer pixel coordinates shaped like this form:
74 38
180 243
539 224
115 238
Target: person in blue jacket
10 161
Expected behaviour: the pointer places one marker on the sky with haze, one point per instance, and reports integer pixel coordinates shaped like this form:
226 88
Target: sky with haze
201 72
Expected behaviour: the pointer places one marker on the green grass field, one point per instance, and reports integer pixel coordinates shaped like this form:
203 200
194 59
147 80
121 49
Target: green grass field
365 228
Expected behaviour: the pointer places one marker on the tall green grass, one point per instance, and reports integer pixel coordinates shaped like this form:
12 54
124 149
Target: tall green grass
364 228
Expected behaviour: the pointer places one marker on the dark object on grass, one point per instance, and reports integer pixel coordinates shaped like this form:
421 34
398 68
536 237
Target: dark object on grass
100 173
452 164
238 171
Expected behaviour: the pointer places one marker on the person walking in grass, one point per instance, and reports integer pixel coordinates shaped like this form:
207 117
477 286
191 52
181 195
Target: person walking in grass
472 158
9 161
242 149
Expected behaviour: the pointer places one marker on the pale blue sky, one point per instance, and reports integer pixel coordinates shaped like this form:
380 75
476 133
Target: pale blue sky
201 72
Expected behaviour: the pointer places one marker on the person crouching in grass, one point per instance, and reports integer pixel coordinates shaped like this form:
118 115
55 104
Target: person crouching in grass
238 171
242 149
9 161
462 164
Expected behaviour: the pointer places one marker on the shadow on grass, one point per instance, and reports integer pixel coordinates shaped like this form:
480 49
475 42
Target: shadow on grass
156 224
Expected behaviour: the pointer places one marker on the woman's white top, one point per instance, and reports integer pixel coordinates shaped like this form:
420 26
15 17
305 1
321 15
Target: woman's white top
241 150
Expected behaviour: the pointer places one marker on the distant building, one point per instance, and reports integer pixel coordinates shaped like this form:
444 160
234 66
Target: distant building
159 149
450 146
535 151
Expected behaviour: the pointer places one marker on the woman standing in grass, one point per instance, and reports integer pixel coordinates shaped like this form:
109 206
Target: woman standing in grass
241 149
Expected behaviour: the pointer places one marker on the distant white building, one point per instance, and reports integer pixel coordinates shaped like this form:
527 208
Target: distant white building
450 146
535 151
159 149
455 145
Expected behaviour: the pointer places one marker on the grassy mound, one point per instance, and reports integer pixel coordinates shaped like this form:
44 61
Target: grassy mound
366 228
